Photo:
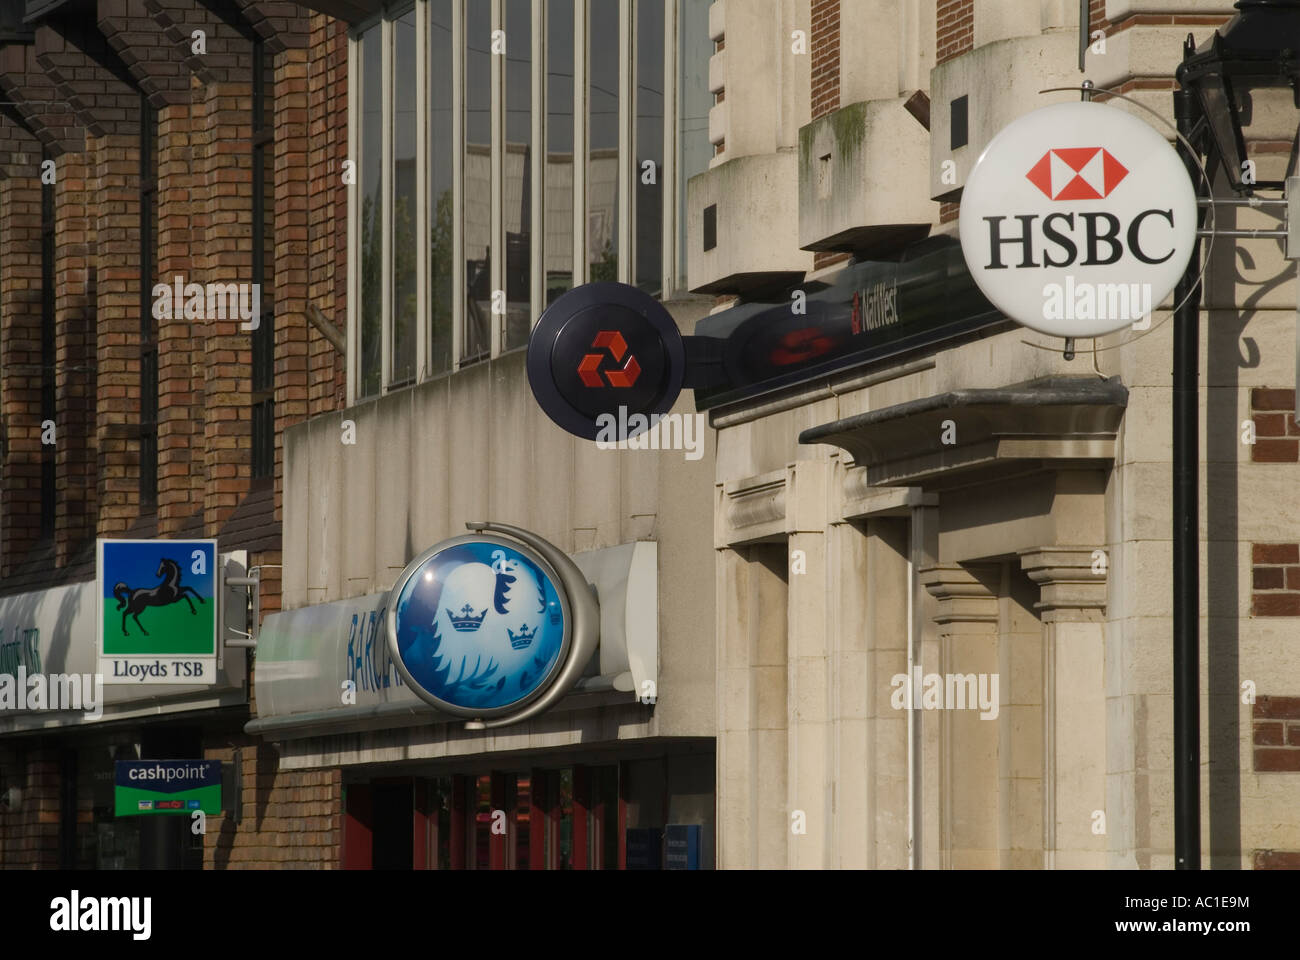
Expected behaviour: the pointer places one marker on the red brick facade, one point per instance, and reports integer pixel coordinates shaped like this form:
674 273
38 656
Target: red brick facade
955 23
1277 437
204 225
825 43
1275 580
1275 723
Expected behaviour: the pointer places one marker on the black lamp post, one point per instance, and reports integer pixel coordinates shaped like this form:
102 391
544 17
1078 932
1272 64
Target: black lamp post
1238 104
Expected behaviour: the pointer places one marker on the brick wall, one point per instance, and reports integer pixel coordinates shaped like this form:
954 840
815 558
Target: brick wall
204 225
1277 437
117 187
29 835
20 359
825 41
1275 730
293 334
1275 580
225 219
74 329
291 819
327 86
955 21
180 364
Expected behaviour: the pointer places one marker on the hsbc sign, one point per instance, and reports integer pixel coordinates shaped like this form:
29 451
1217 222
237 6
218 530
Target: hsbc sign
1077 220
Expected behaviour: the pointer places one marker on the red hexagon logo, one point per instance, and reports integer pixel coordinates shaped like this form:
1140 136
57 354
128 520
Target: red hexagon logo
1077 173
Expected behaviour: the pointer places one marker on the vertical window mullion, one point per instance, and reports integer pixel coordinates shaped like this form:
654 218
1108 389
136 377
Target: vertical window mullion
536 250
442 207
626 156
668 175
459 295
387 187
423 165
497 245
647 108
353 185
580 272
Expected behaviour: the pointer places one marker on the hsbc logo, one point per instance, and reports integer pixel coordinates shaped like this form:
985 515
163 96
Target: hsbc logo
1054 226
1077 173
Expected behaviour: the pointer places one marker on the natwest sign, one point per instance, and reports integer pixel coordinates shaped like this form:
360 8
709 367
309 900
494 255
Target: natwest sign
1077 220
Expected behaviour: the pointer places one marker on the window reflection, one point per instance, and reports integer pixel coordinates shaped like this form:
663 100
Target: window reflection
518 170
405 259
478 181
602 166
649 144
441 154
694 148
371 168
559 148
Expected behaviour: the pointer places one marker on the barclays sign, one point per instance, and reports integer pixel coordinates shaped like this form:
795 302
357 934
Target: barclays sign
493 627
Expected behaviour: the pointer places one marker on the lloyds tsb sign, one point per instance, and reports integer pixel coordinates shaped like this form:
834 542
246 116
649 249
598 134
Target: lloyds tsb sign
1077 220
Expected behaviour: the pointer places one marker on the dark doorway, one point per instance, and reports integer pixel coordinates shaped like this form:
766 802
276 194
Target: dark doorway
393 812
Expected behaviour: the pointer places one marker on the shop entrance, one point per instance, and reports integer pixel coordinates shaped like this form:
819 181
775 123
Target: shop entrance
575 817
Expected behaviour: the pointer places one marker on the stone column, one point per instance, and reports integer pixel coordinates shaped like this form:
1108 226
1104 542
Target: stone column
967 619
884 591
753 815
809 679
1072 588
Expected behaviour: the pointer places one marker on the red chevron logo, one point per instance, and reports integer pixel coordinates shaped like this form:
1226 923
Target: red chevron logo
589 368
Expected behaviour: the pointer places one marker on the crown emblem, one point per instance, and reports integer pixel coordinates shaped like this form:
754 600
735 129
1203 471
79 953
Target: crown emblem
523 638
467 623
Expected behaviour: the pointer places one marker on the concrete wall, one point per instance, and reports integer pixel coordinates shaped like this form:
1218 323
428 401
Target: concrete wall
475 445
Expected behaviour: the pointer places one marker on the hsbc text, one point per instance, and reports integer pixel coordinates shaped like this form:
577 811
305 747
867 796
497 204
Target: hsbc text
1103 240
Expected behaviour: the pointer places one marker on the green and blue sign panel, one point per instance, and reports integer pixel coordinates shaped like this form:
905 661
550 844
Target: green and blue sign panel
147 787
158 611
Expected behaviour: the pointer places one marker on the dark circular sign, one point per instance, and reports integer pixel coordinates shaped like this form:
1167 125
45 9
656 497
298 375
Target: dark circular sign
602 353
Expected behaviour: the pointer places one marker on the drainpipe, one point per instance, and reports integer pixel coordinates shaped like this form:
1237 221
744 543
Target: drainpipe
1186 547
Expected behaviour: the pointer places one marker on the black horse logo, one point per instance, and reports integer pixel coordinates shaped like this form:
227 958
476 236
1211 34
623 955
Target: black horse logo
169 591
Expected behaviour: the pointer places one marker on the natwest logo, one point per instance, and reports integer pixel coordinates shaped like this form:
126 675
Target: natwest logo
1059 247
589 366
1077 173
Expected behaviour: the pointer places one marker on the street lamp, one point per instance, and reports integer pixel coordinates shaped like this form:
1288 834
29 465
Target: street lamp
1238 101
1246 81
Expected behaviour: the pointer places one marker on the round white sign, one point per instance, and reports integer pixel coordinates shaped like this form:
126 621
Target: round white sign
1078 220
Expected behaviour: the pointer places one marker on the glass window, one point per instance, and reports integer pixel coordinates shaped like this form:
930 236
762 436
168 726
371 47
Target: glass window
404 240
441 153
478 181
370 162
518 170
649 144
694 101
559 148
602 157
